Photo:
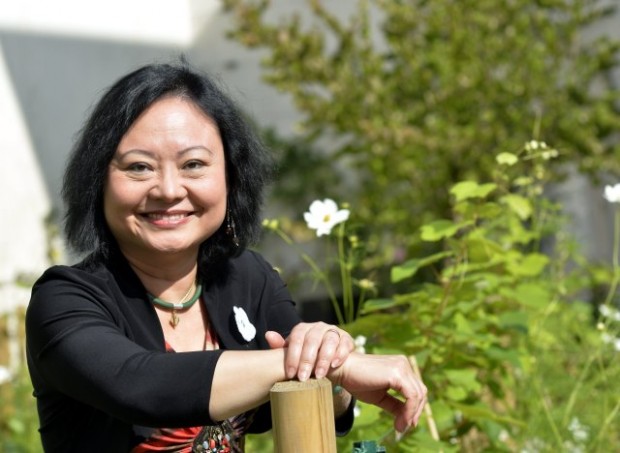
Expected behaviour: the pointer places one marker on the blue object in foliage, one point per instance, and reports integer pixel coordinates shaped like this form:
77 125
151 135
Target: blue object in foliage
367 446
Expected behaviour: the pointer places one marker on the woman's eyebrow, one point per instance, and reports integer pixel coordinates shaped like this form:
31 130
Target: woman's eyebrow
152 155
192 148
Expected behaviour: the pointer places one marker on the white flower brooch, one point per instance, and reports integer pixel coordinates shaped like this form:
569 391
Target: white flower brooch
246 328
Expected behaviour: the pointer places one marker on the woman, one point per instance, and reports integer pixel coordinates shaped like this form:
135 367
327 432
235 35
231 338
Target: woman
170 333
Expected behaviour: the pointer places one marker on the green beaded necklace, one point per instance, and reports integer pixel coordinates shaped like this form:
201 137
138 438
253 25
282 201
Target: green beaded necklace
174 318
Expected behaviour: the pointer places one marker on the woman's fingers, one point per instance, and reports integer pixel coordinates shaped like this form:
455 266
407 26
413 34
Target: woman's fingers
370 377
328 351
345 347
275 340
315 347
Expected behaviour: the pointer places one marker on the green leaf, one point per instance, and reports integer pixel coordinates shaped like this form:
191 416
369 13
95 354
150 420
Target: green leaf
530 266
519 205
482 412
471 189
504 355
467 379
368 414
456 393
462 324
440 229
373 305
506 159
411 267
513 319
530 295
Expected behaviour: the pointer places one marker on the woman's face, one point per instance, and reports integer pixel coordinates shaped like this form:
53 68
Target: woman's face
166 190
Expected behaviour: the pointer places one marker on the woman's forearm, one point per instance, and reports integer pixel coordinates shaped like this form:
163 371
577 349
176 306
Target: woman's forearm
243 379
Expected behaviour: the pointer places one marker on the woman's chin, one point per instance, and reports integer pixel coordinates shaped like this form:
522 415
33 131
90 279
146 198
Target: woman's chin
171 249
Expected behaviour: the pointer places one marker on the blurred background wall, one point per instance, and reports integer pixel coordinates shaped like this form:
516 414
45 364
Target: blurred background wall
57 57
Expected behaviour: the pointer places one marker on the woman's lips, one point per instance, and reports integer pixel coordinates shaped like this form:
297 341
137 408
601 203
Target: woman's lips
167 218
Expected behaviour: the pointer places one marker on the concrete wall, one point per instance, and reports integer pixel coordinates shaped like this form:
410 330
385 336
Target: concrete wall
55 60
57 57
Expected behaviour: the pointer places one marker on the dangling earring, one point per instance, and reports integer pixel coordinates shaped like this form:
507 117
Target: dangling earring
230 229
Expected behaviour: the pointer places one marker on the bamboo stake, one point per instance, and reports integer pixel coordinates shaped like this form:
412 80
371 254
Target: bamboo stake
303 417
428 413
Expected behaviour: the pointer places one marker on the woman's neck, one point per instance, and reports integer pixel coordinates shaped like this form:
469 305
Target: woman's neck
166 276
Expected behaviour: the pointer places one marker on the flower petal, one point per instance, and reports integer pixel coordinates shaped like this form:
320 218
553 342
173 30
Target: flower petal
612 193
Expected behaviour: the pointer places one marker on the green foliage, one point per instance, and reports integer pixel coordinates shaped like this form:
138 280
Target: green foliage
416 95
508 362
18 417
511 356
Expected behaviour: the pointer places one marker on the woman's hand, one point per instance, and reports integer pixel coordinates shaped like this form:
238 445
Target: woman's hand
369 377
312 347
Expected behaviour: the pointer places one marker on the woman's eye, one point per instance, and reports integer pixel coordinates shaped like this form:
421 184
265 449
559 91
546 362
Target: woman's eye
138 167
193 165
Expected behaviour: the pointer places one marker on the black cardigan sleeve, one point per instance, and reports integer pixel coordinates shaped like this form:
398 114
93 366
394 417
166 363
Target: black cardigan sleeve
82 345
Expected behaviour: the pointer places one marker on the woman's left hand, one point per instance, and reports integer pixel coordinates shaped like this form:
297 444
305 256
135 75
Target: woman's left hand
312 347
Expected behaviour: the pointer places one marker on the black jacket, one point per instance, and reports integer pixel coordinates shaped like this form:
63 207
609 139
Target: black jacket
97 359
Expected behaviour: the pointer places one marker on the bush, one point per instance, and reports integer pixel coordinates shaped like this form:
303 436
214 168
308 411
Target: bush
512 357
416 95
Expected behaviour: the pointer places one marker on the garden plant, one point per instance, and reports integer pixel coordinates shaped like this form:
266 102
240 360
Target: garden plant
514 358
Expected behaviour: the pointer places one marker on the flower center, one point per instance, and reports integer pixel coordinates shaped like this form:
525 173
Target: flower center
326 218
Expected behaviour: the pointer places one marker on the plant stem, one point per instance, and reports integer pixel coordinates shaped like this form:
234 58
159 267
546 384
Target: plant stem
573 395
615 268
554 428
317 272
345 276
607 422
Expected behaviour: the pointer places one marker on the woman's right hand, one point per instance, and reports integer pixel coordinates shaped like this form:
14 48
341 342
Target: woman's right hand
369 377
312 348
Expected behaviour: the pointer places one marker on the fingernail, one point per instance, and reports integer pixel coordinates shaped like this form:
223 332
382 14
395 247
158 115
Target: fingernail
304 374
336 363
290 372
319 372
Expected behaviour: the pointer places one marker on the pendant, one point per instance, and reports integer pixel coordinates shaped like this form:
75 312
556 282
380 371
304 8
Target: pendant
174 319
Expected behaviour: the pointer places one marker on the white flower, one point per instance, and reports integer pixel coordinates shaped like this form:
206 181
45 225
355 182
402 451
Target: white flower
608 312
612 193
579 431
606 338
360 342
610 339
5 375
534 445
246 328
324 215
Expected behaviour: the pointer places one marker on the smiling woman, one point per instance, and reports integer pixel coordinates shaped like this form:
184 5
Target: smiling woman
170 333
166 184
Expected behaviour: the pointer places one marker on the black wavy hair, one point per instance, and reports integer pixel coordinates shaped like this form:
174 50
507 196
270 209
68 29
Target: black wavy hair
248 164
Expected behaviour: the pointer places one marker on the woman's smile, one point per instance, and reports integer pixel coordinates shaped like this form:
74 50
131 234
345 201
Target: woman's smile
166 186
167 219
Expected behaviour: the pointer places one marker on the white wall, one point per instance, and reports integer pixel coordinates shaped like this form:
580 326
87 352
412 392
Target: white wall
56 58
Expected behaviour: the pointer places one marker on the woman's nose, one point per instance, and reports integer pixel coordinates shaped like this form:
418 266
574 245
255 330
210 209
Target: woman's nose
169 186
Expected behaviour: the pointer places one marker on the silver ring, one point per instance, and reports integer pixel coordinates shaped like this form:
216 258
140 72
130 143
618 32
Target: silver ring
335 331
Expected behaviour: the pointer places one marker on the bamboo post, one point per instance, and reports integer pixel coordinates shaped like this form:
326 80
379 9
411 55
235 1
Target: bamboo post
303 417
428 413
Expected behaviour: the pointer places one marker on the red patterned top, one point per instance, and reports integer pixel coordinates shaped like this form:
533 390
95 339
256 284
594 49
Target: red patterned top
226 437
